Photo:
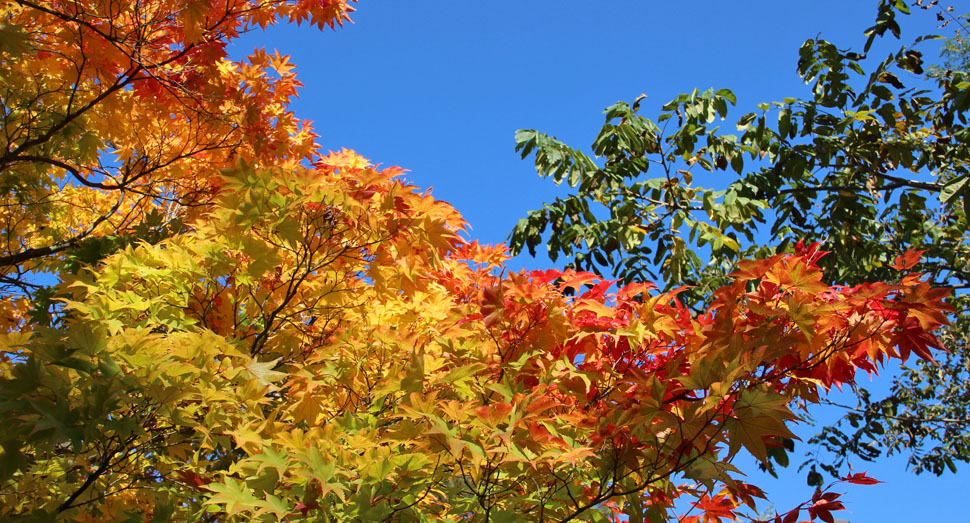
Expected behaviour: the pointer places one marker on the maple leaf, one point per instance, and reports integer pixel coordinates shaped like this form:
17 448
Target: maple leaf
811 254
794 272
757 415
715 508
546 276
193 480
907 260
493 305
573 280
823 505
263 371
753 269
233 495
860 478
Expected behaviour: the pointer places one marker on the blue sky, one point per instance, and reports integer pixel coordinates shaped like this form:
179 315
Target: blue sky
439 88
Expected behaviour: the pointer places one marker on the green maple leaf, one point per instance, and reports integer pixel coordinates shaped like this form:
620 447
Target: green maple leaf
234 495
263 371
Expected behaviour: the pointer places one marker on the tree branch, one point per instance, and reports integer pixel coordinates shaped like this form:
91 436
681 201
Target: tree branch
39 252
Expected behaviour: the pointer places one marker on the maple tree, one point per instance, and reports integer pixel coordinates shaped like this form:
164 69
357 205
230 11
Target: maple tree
205 318
872 161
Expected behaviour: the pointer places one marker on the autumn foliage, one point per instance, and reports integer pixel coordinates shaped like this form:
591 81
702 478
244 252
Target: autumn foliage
207 319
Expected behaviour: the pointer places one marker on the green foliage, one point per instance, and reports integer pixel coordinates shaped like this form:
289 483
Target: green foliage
646 217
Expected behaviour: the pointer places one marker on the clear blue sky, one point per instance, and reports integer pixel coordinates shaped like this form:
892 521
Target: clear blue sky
439 88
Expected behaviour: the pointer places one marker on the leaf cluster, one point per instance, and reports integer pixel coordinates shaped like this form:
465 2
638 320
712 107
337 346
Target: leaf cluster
206 319
872 163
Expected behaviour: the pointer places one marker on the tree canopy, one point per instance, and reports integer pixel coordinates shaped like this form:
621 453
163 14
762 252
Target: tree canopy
872 163
205 317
